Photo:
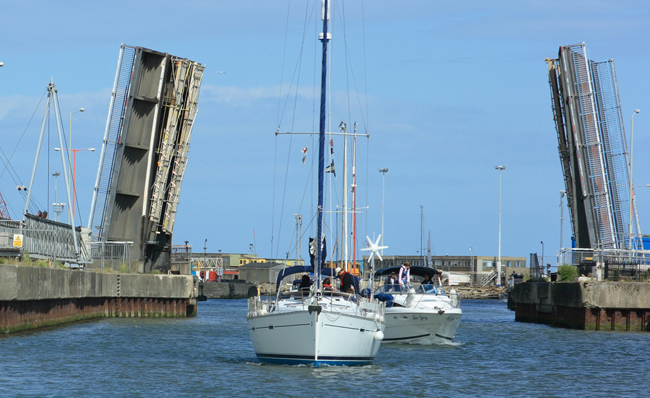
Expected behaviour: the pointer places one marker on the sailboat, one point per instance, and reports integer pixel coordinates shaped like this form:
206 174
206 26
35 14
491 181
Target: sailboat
316 326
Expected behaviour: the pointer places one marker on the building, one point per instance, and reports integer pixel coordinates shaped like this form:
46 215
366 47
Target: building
228 265
260 272
477 267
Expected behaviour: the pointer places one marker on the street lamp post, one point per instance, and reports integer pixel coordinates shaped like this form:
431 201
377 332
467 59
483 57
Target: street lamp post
542 242
70 128
383 190
500 168
559 257
74 172
471 267
70 146
58 207
631 182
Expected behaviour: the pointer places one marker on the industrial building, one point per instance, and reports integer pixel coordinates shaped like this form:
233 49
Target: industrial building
478 267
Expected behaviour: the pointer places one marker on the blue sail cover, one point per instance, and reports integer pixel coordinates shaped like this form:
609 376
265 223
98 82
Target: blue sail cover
290 271
415 270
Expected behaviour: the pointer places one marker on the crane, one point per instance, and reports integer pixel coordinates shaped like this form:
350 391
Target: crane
4 213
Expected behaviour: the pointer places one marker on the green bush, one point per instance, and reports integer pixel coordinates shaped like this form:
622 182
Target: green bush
567 272
123 269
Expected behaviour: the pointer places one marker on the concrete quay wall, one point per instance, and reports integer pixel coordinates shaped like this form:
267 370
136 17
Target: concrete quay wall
584 305
35 297
226 290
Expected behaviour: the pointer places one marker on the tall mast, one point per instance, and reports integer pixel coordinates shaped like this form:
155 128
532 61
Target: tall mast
429 264
344 127
354 197
421 235
321 142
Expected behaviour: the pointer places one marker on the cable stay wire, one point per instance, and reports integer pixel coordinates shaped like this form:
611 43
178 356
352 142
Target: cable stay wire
283 104
296 71
69 155
365 67
296 77
7 160
277 124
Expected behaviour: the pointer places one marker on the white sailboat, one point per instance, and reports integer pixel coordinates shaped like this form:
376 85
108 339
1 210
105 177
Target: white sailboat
317 326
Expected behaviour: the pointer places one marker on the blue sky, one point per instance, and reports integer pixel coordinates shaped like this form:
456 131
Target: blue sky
447 90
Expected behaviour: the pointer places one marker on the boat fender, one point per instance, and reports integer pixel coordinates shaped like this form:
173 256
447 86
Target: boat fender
379 335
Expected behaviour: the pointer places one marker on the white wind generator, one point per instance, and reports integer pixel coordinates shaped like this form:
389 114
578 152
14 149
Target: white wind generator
374 248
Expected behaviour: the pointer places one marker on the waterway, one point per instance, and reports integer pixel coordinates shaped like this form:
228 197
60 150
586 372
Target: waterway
211 355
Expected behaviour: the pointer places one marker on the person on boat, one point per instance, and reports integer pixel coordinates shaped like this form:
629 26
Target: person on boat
305 283
347 280
404 276
327 284
391 282
427 283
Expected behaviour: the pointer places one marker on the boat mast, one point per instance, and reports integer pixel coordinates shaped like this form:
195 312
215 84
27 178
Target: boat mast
354 197
321 141
421 235
429 263
344 127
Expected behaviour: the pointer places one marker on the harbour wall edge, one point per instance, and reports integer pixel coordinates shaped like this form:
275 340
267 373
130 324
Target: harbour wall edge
617 306
38 297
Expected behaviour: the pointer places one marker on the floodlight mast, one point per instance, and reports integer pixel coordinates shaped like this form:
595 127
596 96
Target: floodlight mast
500 168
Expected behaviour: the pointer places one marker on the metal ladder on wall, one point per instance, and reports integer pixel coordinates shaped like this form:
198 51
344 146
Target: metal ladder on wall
180 157
175 105
112 139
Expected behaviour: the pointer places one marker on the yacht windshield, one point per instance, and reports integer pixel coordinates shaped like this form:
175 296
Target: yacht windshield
416 287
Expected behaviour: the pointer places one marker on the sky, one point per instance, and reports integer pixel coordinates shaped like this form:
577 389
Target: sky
445 91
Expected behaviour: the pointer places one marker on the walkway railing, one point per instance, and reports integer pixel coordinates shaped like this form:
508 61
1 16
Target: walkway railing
609 263
111 252
47 239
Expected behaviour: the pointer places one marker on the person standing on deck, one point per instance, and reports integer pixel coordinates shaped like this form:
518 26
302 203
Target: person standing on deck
347 280
404 277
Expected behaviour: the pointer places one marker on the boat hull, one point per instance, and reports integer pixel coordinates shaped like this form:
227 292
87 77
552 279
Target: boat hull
301 337
408 325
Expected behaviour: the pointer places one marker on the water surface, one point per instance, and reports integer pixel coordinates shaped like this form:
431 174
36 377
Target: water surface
211 355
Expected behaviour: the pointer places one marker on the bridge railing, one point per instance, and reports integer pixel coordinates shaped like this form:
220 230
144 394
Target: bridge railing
110 254
47 239
611 263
